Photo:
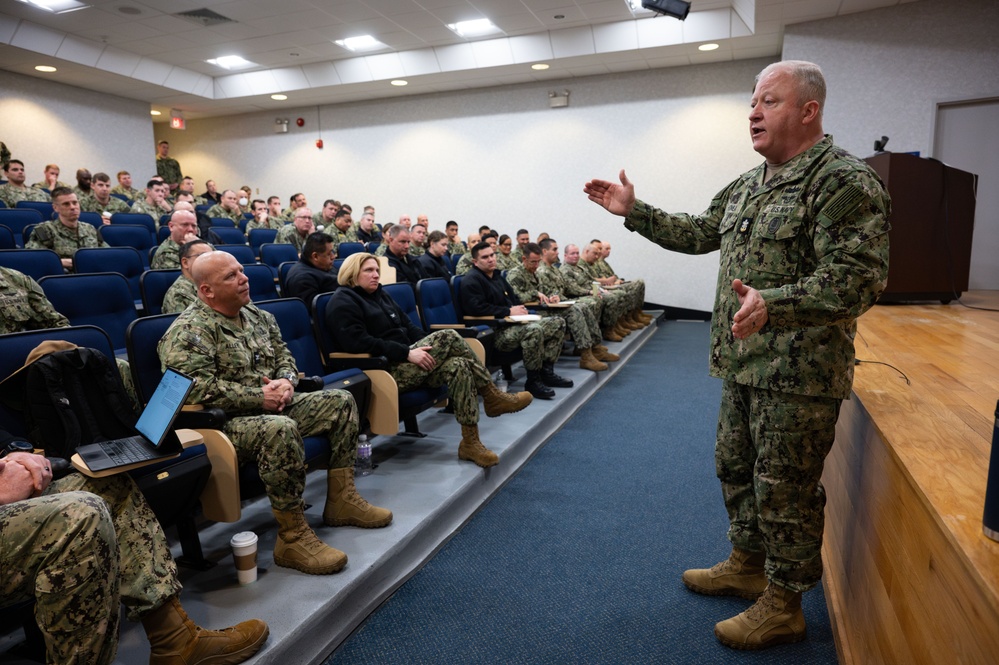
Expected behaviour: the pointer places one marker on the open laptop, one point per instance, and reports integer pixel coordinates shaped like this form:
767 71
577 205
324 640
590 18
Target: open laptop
156 438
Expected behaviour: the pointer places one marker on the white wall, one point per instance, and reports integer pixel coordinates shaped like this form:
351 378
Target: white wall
44 122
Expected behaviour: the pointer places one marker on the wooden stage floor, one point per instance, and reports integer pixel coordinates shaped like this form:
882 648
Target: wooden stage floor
909 575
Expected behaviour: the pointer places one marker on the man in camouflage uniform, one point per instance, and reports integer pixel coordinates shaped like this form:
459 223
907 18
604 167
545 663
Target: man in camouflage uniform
261 217
100 199
632 294
454 244
580 321
296 232
613 305
551 281
183 292
167 167
484 292
417 239
79 547
15 190
154 203
804 252
183 228
523 238
124 186
227 209
51 178
342 230
325 216
84 181
242 366
66 234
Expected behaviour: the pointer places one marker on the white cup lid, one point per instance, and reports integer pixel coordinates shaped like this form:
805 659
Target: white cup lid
243 539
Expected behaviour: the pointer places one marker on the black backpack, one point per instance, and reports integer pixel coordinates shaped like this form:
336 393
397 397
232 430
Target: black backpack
76 397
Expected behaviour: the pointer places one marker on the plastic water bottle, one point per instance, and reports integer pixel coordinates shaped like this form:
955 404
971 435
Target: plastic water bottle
362 467
500 381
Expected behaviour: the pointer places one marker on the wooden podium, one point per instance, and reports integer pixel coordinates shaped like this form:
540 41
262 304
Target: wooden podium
932 219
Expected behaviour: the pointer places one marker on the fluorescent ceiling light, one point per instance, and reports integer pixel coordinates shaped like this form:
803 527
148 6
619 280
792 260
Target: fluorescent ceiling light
360 43
155 112
480 26
230 62
707 47
56 6
539 67
48 69
399 82
279 98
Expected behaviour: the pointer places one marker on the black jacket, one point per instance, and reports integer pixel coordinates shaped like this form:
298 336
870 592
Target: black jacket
306 281
363 322
406 268
431 266
482 296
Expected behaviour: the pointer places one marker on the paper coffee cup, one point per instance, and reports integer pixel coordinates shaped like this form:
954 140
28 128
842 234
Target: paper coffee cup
244 552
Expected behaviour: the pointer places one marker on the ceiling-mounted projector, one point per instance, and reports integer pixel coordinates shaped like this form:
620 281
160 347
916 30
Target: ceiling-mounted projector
675 8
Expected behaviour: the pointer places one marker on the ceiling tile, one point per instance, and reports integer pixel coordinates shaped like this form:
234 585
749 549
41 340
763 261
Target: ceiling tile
455 57
321 74
81 51
354 70
37 38
620 36
493 53
574 41
532 48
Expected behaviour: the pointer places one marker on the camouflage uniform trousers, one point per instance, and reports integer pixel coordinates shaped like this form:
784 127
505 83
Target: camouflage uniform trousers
457 367
77 550
541 341
274 441
636 293
616 304
582 320
769 455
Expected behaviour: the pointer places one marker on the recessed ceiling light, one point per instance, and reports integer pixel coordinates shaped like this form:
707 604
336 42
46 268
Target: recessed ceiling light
230 62
559 17
399 82
279 98
359 43
707 47
45 68
540 66
56 6
155 112
480 26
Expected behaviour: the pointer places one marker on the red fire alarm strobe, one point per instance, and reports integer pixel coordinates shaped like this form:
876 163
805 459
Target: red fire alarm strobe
300 122
319 143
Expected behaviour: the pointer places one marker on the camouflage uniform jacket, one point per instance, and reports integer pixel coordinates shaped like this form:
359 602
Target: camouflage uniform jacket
91 204
602 269
464 264
218 211
180 294
23 305
578 277
142 207
416 251
167 255
62 240
130 192
455 248
341 236
524 284
168 168
814 241
289 235
554 282
45 186
276 223
505 261
10 194
229 359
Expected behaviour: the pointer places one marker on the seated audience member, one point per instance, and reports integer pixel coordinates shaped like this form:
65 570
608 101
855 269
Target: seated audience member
66 234
484 292
484 229
124 186
503 259
406 267
274 214
186 186
15 190
243 367
523 237
383 246
183 292
365 319
23 305
296 232
101 201
83 183
635 291
245 196
211 194
79 547
184 202
465 262
51 178
365 229
542 237
602 268
313 274
417 240
183 229
294 203
454 244
324 217
580 318
423 221
153 202
260 219
434 262
406 221
342 229
227 209
614 304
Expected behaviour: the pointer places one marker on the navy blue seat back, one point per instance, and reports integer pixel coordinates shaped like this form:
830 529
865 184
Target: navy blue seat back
154 284
242 253
402 294
142 336
136 219
223 222
345 249
435 302
124 260
43 207
35 263
93 218
16 219
274 254
258 237
283 271
162 234
296 330
97 299
7 238
129 235
230 235
262 286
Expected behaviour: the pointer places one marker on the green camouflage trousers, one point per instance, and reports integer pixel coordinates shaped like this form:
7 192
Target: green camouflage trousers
616 304
541 341
61 551
769 454
457 367
274 441
582 321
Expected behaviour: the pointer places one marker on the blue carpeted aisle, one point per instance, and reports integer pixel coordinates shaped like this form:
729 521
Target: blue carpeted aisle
578 558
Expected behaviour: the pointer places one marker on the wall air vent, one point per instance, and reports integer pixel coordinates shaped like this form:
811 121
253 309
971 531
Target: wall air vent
205 17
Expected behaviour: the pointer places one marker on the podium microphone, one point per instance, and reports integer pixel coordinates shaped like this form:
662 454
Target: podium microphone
879 146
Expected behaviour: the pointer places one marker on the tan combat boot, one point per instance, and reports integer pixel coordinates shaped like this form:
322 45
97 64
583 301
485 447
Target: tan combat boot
299 547
741 574
775 618
601 352
496 402
643 317
590 362
610 334
345 507
176 640
622 329
628 321
472 449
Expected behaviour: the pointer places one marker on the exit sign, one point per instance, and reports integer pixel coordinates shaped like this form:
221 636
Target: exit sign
177 123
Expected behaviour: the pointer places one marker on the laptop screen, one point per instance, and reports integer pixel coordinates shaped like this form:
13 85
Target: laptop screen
163 406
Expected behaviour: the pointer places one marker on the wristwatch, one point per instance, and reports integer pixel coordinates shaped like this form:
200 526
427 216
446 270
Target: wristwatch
17 447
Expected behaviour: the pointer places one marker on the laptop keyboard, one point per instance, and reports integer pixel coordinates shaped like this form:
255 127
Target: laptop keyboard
128 450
